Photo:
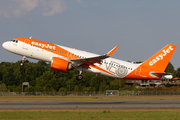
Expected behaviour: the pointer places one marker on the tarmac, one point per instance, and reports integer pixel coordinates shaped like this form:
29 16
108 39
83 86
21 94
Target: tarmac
91 105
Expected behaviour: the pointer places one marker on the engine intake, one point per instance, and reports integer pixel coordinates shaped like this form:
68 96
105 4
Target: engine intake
61 65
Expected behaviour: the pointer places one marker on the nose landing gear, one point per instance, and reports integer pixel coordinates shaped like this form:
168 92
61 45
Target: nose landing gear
23 59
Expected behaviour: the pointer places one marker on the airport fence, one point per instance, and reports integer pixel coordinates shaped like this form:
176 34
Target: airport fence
115 93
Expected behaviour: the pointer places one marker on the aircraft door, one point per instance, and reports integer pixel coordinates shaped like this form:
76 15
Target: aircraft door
25 44
138 71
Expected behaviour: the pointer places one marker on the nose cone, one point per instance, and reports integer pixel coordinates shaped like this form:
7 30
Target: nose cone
5 45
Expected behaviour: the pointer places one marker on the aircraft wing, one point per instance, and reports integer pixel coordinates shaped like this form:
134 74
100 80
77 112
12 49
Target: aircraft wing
86 62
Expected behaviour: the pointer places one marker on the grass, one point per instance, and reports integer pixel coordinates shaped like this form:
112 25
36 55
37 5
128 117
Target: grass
88 114
97 114
76 98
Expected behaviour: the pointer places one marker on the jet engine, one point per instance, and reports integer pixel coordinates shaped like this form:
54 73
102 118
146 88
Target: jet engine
60 65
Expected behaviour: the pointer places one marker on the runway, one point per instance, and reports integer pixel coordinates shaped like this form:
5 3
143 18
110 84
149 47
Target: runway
91 105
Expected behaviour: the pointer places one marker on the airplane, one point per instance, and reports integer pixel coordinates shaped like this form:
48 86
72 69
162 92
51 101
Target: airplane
64 59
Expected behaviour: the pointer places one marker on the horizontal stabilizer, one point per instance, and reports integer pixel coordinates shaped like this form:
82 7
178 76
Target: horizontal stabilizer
162 74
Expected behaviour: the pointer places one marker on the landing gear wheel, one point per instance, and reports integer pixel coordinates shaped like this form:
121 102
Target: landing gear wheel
79 77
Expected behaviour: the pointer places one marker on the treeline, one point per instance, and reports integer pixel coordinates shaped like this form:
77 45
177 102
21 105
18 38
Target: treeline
43 79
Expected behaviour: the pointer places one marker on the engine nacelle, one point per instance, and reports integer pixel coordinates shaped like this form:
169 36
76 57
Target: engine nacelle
61 65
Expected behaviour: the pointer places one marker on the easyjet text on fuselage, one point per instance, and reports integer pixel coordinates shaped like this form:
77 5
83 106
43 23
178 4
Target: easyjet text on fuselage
43 45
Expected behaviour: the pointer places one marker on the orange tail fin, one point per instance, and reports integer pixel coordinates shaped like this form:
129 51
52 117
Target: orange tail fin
160 60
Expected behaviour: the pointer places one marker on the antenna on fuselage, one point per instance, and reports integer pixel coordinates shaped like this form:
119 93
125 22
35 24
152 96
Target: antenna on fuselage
30 37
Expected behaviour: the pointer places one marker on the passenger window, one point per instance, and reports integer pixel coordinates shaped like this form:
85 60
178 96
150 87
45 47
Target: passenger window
16 41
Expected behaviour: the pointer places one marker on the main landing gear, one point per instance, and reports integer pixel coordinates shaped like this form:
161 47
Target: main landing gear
79 77
23 59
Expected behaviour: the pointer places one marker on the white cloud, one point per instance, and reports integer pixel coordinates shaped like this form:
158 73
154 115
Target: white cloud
52 7
96 3
139 6
78 1
81 3
19 8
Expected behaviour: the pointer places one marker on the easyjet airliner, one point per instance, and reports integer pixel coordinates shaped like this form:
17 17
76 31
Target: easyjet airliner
64 59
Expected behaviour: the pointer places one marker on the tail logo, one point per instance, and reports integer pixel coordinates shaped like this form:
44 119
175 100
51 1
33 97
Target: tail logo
161 56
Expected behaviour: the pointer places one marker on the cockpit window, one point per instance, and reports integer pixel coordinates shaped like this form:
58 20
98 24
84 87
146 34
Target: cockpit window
16 41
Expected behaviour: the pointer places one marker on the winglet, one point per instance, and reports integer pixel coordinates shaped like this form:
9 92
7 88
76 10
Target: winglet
110 53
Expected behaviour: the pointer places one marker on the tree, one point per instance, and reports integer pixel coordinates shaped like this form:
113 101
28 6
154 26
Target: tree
3 88
178 72
114 85
170 69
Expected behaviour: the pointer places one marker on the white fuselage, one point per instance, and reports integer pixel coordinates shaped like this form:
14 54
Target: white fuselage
118 68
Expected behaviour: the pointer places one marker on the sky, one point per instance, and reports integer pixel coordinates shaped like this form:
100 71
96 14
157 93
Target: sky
140 27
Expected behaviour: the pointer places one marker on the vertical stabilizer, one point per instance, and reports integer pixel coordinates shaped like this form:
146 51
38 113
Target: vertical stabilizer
160 60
